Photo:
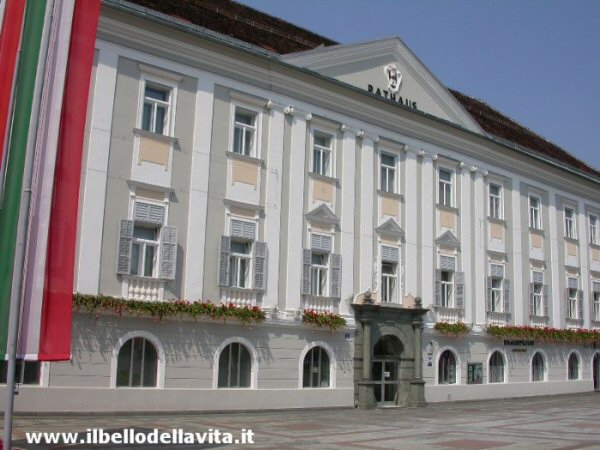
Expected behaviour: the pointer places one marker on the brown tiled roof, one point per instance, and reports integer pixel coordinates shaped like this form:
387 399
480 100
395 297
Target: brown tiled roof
499 125
241 22
277 35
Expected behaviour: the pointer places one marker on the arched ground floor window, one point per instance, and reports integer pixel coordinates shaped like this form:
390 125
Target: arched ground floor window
235 366
316 368
447 368
137 364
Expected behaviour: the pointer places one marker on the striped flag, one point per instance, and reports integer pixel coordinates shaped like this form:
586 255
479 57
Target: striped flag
46 128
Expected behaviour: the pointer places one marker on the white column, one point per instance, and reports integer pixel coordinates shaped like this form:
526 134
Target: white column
273 203
347 217
296 213
428 247
584 261
96 171
466 241
479 246
367 184
198 202
520 230
557 266
411 206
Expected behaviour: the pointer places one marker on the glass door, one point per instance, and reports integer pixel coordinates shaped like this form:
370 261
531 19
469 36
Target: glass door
385 377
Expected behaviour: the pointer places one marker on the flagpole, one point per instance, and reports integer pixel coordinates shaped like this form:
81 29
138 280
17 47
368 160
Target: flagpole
23 220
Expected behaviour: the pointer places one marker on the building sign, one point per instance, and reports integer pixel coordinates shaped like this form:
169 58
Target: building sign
394 81
519 343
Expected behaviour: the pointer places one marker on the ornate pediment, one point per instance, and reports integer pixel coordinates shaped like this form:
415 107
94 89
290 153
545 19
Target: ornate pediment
322 214
448 240
390 228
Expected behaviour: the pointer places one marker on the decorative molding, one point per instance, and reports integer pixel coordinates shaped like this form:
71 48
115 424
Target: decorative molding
370 136
237 204
291 110
322 214
390 228
426 154
348 129
448 239
477 170
248 98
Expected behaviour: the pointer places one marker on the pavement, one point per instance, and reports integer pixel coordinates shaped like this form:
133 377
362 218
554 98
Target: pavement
551 422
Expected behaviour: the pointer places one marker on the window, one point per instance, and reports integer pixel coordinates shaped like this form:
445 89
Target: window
26 372
244 132
570 228
572 298
537 296
235 366
445 187
474 373
496 368
322 154
447 279
596 300
447 368
147 248
496 294
537 368
316 368
137 364
388 173
239 264
388 281
495 201
155 113
594 230
573 367
144 251
534 213
318 275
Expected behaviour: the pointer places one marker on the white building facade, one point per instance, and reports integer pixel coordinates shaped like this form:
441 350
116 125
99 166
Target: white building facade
215 170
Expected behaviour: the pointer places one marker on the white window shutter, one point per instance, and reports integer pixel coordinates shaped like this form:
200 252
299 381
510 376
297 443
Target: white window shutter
390 254
489 293
547 303
336 275
497 270
149 213
243 229
538 277
580 305
125 238
531 299
260 265
568 304
507 298
437 300
447 263
168 252
306 260
320 242
224 262
459 281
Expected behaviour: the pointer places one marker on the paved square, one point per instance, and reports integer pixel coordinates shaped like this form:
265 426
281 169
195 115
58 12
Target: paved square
553 422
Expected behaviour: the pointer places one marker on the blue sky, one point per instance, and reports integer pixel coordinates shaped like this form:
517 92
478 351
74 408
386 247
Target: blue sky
537 61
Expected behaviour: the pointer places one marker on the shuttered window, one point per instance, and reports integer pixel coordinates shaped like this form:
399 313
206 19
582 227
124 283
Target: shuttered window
320 242
149 213
243 229
390 254
447 263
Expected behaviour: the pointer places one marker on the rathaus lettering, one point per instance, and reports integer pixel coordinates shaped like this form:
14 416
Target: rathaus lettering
392 96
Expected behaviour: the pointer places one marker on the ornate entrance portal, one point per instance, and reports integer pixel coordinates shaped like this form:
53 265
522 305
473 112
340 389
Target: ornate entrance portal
386 360
388 355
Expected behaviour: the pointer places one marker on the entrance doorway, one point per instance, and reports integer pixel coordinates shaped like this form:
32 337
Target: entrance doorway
384 373
596 371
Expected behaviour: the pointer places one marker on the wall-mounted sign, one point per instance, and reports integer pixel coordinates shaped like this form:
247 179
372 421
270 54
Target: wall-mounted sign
519 343
394 81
